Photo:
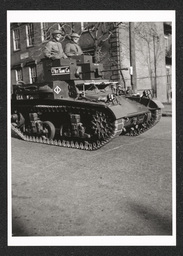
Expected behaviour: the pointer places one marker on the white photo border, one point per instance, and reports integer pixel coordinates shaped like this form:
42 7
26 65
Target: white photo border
92 16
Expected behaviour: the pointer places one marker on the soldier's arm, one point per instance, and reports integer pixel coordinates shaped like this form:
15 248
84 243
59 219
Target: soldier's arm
67 50
48 50
65 56
61 52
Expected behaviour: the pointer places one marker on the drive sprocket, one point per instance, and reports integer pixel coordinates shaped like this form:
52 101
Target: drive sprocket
102 125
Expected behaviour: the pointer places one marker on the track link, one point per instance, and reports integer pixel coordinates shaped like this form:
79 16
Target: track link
84 145
137 130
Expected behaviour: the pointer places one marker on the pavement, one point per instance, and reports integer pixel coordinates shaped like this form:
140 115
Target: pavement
167 110
122 189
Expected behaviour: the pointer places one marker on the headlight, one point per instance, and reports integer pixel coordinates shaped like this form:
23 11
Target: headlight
110 97
104 99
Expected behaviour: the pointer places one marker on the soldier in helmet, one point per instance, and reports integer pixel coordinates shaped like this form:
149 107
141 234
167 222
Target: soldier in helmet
72 48
53 49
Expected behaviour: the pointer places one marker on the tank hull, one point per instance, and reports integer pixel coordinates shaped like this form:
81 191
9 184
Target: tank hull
76 107
81 124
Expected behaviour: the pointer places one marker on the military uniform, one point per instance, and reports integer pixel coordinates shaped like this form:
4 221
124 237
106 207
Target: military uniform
54 50
72 49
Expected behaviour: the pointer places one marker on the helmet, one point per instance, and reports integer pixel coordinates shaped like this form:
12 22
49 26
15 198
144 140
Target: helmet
75 35
58 32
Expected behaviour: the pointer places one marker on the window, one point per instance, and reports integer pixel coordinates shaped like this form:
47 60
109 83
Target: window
18 75
166 42
168 47
30 34
16 39
84 26
59 27
167 28
45 31
32 74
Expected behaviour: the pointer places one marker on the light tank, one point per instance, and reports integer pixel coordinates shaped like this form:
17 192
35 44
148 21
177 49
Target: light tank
75 107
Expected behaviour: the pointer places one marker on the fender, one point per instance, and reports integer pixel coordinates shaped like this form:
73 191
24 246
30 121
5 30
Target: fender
155 104
150 103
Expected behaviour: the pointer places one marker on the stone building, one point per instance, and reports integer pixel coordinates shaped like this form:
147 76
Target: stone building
168 56
108 43
152 43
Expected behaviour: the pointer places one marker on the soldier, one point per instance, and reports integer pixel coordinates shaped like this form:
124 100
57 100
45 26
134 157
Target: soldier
72 48
129 90
53 49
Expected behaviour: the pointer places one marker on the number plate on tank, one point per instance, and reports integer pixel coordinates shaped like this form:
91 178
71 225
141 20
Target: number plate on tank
60 70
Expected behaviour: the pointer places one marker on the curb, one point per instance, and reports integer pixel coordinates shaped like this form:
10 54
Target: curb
167 110
166 114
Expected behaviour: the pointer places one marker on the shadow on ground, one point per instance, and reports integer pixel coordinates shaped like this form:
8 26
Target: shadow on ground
18 228
14 135
162 224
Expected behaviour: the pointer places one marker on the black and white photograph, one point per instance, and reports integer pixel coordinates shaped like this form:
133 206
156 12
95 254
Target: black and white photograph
91 128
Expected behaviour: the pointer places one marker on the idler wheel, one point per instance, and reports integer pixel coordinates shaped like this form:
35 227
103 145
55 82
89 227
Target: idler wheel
49 130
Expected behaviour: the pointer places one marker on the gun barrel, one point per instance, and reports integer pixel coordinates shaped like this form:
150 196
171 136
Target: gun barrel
104 70
118 69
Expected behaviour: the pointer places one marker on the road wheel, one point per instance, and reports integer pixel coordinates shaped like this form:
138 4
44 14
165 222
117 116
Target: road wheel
49 129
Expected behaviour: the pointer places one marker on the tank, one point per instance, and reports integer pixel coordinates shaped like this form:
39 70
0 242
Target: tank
75 107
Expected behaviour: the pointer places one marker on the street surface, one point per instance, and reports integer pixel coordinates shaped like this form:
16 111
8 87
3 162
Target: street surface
124 188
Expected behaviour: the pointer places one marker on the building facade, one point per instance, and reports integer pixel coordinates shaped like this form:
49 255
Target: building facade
152 50
108 43
27 42
168 56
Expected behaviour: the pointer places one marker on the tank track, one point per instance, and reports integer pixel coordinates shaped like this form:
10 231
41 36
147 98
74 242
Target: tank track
85 145
137 130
